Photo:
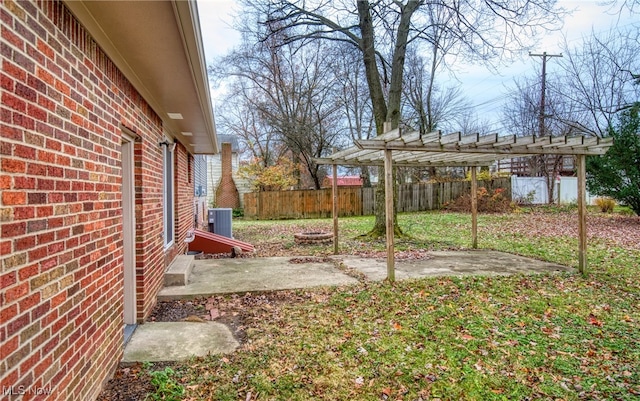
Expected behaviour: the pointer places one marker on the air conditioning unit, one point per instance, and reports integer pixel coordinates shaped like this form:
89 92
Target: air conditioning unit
222 221
211 218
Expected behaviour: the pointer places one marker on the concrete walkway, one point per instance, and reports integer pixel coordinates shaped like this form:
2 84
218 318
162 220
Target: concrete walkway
455 263
240 275
181 340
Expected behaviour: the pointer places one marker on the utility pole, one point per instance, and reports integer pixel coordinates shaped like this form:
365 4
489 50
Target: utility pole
544 56
540 164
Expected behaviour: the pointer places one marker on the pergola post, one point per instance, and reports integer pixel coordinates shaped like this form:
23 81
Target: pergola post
334 192
474 208
582 214
388 194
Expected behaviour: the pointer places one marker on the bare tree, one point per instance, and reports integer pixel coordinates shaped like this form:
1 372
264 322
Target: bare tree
240 116
353 94
467 121
522 111
521 108
633 6
484 29
600 79
283 94
428 107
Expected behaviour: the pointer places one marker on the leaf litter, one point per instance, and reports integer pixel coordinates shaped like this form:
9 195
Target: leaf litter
538 337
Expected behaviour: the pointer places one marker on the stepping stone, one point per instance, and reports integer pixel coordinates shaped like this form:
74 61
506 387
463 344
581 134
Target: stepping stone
178 341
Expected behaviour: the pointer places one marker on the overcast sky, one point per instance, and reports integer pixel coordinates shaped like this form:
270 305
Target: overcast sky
486 89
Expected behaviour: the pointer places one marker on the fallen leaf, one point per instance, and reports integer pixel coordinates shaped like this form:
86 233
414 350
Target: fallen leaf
594 321
431 378
546 330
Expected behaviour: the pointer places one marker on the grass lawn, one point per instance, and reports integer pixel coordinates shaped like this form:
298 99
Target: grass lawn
552 336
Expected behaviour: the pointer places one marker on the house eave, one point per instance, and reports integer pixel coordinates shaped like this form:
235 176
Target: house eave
158 47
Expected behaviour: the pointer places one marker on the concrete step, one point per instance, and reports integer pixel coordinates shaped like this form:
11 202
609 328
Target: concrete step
179 271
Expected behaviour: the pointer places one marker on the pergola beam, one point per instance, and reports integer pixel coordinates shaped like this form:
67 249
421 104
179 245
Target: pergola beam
513 150
487 144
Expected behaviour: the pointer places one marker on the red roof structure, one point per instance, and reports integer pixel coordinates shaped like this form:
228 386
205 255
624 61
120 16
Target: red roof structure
345 181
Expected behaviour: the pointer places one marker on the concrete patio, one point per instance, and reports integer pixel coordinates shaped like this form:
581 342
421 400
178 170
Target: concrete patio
182 340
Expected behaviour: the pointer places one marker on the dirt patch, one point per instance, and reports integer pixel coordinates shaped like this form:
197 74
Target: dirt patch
238 312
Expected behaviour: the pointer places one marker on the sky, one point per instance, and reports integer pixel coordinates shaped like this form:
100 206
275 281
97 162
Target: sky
486 89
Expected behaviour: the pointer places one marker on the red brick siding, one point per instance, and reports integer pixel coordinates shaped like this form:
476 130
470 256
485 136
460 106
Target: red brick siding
185 199
62 106
227 192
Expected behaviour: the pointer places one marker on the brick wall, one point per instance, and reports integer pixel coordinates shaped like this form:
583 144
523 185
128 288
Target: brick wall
63 106
185 207
227 193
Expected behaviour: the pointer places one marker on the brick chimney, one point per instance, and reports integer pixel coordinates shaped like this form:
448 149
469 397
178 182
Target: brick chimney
227 192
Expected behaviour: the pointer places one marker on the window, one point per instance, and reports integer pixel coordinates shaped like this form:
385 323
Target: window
168 199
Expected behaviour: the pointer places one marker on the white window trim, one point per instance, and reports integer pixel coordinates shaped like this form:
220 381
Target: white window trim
168 199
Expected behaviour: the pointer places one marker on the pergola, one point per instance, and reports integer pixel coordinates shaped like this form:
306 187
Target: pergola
413 149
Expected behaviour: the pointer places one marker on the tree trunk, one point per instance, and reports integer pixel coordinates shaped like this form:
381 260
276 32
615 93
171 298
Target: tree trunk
383 112
366 176
367 46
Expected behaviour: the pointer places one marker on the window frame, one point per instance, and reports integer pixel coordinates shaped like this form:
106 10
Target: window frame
168 194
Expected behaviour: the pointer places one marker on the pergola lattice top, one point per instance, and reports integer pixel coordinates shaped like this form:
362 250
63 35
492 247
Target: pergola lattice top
436 149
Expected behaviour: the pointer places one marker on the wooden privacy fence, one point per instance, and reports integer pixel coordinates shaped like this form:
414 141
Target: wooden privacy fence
306 204
301 204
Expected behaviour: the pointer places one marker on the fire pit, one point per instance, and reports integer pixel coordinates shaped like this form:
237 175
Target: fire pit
313 237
